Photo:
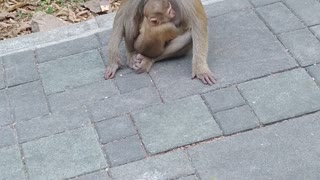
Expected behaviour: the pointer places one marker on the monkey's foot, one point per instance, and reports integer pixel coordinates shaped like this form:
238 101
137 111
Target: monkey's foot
206 77
111 71
142 64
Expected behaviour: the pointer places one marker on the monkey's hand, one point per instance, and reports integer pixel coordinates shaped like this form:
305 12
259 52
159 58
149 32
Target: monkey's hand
142 64
112 67
205 75
131 59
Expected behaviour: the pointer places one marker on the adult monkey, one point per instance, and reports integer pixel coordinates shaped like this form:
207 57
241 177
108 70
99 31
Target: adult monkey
190 15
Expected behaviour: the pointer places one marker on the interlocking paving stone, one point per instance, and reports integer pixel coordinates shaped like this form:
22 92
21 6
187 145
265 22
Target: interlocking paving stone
315 72
303 45
86 94
96 91
133 81
125 151
280 18
71 71
232 56
115 129
223 99
307 10
7 136
225 6
5 117
64 155
28 101
100 175
64 48
64 100
31 40
165 166
118 105
20 68
257 3
51 124
175 124
316 30
287 150
193 177
2 82
282 96
236 120
11 164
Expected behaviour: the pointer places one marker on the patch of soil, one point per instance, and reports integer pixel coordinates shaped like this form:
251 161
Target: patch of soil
16 15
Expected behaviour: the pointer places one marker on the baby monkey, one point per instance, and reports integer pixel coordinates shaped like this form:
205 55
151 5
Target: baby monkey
156 28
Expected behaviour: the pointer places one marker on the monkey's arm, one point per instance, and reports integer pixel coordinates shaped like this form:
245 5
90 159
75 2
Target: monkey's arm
114 60
125 25
199 29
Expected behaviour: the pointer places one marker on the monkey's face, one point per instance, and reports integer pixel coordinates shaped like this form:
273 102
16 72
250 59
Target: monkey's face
161 17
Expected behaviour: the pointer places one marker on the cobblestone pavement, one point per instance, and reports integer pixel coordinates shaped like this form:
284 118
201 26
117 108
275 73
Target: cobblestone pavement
59 119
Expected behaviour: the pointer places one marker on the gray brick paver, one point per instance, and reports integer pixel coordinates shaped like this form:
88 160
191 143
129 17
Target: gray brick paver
223 99
7 136
20 68
282 96
165 166
175 124
95 92
28 101
64 100
316 31
287 150
193 177
258 3
307 10
280 18
11 166
100 175
125 151
51 124
236 120
133 81
226 6
5 117
82 95
64 155
315 72
121 104
71 71
303 45
115 129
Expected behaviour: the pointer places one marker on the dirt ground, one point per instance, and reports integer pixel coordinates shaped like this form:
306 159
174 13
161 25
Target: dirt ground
16 15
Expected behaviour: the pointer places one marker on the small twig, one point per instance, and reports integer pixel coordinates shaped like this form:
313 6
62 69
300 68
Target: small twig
16 6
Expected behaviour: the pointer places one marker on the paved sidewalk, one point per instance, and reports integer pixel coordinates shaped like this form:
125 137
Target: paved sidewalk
59 119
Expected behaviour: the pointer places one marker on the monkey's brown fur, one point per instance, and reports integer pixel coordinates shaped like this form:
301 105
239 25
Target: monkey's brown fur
190 17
